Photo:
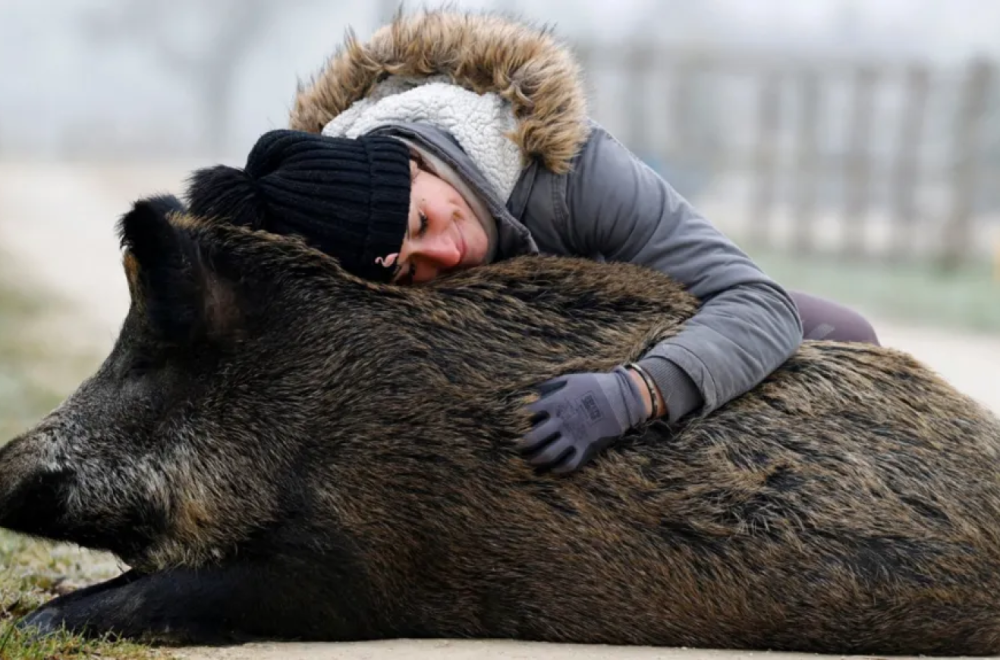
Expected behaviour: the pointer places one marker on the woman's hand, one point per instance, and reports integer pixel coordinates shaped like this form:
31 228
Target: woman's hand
580 415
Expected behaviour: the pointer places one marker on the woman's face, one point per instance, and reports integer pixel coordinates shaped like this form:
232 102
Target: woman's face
443 233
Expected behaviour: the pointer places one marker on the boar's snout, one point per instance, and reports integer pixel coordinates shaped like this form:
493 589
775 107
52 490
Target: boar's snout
33 485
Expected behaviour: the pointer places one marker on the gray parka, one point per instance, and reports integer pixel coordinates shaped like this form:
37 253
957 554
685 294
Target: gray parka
580 192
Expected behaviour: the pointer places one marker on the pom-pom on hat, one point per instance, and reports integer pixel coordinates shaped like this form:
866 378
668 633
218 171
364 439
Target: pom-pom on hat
347 197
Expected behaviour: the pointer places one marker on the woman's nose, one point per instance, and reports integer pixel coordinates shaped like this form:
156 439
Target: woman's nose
441 251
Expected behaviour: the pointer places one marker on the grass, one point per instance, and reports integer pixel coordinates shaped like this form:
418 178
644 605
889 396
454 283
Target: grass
967 299
35 375
34 572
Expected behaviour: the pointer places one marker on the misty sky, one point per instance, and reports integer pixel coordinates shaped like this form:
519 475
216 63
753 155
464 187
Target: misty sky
60 87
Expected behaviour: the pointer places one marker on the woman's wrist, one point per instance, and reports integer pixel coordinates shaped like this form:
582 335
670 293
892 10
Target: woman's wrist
652 399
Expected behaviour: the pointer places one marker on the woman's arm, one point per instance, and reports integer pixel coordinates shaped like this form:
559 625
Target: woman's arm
748 325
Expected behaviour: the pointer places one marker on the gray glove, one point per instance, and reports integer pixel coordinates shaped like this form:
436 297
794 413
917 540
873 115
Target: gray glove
580 415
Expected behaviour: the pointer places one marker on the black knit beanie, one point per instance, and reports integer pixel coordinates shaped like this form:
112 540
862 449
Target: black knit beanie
347 197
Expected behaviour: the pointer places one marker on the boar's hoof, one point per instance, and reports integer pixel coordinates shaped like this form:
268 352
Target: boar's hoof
79 612
42 622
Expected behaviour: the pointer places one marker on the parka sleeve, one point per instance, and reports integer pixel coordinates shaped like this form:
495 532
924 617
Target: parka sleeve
618 207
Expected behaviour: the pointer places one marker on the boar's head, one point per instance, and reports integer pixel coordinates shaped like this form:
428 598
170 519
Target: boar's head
173 450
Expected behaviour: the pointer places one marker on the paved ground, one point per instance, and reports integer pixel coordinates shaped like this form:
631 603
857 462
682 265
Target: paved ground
58 223
477 650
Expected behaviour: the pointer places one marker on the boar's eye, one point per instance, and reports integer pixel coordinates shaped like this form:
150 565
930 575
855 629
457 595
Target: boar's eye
141 362
145 377
141 365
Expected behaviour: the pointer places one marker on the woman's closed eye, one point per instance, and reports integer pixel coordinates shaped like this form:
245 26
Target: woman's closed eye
411 266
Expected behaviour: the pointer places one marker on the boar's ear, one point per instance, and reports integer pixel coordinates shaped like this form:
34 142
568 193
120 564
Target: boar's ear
169 275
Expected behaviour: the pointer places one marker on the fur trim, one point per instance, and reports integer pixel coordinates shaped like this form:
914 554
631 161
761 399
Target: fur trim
482 52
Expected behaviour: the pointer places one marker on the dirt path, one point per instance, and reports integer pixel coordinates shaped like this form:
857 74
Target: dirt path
60 219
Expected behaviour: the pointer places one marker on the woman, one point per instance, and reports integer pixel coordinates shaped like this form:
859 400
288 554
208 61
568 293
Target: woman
451 140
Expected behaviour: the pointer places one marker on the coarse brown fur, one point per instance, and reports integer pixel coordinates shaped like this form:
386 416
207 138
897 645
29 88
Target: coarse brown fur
336 461
481 51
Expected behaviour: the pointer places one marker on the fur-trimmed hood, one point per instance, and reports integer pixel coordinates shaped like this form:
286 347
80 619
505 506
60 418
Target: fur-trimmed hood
479 51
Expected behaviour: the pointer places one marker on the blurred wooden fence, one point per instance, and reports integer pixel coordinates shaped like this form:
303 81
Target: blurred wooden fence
917 146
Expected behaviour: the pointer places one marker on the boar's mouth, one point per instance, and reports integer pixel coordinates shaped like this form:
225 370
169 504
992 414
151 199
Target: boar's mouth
37 504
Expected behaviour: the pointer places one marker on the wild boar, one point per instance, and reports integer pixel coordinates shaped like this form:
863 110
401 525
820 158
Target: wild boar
278 449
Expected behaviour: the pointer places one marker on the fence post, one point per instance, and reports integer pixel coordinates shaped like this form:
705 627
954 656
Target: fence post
639 60
764 161
587 55
681 85
857 166
808 162
958 226
904 181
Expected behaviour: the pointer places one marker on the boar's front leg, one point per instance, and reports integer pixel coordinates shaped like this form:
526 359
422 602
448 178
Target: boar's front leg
219 605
